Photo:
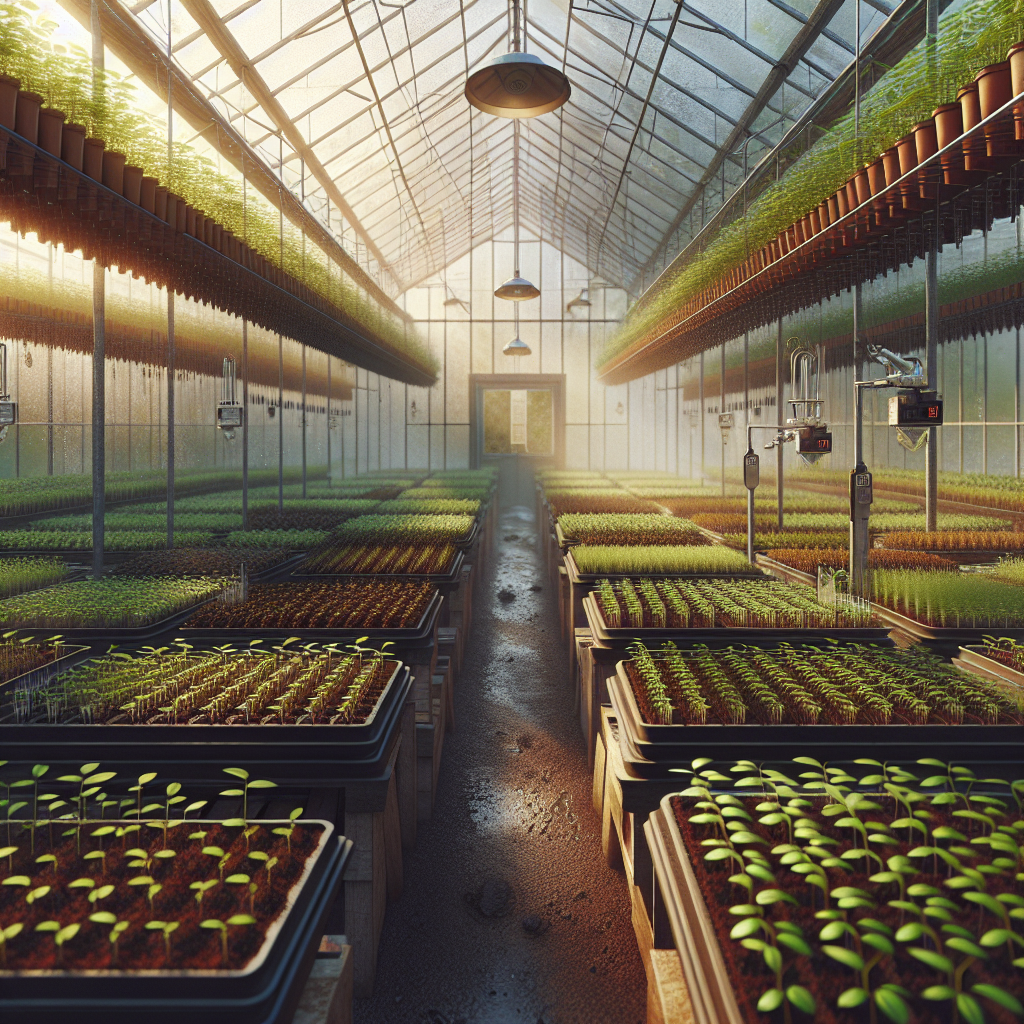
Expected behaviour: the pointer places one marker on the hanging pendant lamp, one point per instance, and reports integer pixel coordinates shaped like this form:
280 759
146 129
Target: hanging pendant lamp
517 347
516 288
517 84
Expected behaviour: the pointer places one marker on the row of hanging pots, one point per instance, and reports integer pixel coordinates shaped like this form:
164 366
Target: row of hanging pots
993 87
22 112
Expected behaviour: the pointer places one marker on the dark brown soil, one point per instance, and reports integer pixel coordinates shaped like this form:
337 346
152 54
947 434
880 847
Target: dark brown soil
137 949
825 978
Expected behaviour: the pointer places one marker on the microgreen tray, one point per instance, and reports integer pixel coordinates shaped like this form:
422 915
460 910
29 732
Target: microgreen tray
651 749
734 634
974 659
298 754
451 576
421 631
265 991
586 578
950 634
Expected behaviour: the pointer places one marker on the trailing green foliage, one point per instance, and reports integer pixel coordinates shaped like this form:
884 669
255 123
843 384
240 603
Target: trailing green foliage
970 37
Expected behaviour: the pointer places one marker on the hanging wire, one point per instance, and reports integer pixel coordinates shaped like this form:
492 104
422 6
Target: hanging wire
515 190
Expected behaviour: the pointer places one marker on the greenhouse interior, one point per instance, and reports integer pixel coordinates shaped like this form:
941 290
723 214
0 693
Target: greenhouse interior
465 512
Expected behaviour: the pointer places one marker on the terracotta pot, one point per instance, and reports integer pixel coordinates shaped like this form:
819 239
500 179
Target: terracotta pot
8 100
823 215
131 183
199 227
72 145
113 171
92 158
160 198
190 220
863 186
995 89
147 194
183 209
925 146
1016 59
906 149
949 126
815 218
51 128
807 226
876 181
970 109
218 234
833 209
26 116
843 202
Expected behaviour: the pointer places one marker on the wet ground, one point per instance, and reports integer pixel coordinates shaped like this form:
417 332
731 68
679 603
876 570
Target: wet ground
509 911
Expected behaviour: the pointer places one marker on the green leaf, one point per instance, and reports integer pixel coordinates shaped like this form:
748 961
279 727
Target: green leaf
801 998
999 996
768 897
970 1009
879 942
962 945
793 942
845 956
833 930
852 997
892 1005
932 959
103 917
773 958
909 932
238 773
770 1000
240 919
938 993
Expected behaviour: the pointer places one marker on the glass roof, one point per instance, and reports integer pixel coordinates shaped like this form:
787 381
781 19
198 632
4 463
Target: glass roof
365 99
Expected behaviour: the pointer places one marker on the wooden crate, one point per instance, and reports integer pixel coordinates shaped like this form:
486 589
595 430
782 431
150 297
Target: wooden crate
327 995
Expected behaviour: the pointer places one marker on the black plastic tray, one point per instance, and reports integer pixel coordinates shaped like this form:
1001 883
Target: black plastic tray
421 631
949 634
314 755
99 634
735 634
652 749
265 994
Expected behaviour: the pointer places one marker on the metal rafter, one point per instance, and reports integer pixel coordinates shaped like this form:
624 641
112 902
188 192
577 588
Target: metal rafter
205 16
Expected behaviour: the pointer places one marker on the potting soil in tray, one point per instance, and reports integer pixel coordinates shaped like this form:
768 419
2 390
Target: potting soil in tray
110 886
347 604
889 906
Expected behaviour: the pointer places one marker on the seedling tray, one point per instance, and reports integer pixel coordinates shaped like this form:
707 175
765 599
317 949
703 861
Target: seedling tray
973 659
421 631
651 749
299 754
266 991
102 634
950 634
786 572
589 578
711 993
451 576
734 634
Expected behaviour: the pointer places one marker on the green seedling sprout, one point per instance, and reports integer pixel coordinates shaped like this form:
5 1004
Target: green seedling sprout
269 863
37 894
48 858
222 858
287 830
221 927
119 927
8 852
137 789
11 931
166 929
38 771
202 888
247 784
61 934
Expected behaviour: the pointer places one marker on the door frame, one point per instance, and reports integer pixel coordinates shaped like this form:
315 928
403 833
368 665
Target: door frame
480 382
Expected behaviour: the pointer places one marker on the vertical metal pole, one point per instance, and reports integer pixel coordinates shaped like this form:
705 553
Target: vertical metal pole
931 313
171 372
779 403
329 468
858 517
280 423
303 420
245 424
722 432
49 377
99 412
746 380
700 391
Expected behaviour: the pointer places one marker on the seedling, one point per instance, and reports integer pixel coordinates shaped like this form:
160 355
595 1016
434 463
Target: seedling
222 858
287 830
166 929
202 888
236 921
247 784
119 927
61 934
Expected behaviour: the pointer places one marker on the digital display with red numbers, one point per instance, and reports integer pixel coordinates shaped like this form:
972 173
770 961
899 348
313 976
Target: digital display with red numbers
910 411
814 439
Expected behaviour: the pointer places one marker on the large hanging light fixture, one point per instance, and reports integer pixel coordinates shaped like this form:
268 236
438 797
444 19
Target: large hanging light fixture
516 288
517 84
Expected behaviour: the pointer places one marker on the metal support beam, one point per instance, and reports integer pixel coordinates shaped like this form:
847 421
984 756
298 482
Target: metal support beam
703 415
99 363
280 423
780 401
721 409
245 424
303 421
931 312
171 373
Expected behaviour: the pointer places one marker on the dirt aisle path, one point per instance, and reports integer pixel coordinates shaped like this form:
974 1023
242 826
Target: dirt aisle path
509 912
